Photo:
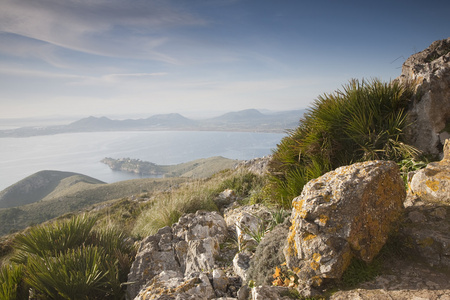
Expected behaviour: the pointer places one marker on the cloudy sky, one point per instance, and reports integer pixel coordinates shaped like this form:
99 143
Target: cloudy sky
143 57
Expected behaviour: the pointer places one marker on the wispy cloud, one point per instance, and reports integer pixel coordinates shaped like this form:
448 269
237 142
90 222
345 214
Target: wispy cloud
101 27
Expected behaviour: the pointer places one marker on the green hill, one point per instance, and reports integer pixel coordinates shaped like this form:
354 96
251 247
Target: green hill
40 185
48 194
77 197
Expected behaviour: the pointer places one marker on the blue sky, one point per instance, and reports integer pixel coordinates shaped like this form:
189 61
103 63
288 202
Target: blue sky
144 57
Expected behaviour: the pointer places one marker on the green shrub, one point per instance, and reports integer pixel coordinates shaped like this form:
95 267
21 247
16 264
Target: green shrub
71 260
11 282
53 238
76 274
364 121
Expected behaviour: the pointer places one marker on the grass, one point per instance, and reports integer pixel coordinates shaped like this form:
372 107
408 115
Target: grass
168 207
79 198
364 121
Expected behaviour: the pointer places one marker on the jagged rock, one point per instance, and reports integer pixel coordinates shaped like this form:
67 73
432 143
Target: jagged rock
345 213
220 281
168 285
225 198
258 166
241 263
183 250
268 256
247 220
429 114
432 183
155 255
426 232
271 293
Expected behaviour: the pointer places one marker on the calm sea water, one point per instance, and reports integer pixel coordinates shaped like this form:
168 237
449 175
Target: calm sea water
82 152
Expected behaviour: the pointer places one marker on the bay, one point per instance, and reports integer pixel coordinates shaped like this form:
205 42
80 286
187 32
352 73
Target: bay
82 152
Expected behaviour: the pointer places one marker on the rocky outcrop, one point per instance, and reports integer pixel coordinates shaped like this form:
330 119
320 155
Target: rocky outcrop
429 114
258 166
248 222
432 184
427 222
345 213
178 259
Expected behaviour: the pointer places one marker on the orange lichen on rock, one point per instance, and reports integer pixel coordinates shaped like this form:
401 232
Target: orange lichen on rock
433 185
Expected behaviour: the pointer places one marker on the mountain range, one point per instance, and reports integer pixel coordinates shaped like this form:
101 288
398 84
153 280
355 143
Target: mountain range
245 120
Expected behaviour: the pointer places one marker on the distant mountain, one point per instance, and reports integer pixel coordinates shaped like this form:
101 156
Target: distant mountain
248 115
245 120
38 186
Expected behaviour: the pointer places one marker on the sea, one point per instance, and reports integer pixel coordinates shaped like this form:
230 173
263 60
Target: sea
82 152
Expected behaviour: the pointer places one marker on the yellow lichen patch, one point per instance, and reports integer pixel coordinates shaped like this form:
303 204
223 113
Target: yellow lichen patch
326 198
302 214
316 280
292 246
308 236
316 257
297 205
432 184
323 219
314 265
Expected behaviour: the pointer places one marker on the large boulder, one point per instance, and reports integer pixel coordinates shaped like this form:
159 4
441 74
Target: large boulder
429 114
432 184
345 213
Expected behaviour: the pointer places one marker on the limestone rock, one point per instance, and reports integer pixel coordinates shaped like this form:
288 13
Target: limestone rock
258 166
432 183
268 255
344 213
426 232
265 292
241 264
184 251
247 220
155 255
429 114
168 286
225 198
220 280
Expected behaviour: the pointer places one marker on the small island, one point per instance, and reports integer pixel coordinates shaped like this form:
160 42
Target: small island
135 166
200 168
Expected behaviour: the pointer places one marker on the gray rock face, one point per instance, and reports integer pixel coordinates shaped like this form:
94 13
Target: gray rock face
430 112
432 184
245 221
344 213
270 293
178 256
426 229
427 223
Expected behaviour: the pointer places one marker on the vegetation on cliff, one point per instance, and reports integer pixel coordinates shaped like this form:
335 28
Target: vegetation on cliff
364 121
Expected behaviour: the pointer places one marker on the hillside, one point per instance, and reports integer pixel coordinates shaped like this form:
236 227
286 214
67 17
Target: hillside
49 194
74 198
38 186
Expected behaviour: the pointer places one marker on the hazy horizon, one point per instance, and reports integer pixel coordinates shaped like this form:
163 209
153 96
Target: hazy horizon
97 57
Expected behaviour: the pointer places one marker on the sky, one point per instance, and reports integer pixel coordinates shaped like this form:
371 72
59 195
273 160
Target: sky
122 58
